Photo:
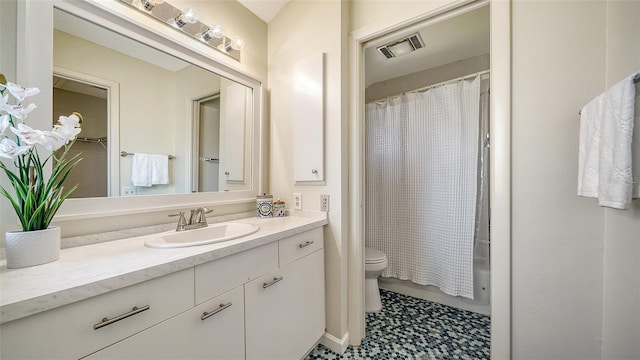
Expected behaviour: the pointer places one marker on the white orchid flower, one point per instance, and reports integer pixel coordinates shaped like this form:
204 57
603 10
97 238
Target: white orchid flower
19 92
28 135
4 104
51 140
4 124
20 111
10 150
17 111
69 127
72 120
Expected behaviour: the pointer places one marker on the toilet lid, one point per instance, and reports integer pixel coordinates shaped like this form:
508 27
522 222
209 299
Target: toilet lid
372 255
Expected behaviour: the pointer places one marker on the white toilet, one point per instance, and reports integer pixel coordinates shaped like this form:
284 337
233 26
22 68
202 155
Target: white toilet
375 261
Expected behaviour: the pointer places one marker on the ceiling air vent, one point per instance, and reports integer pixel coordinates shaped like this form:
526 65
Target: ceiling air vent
401 47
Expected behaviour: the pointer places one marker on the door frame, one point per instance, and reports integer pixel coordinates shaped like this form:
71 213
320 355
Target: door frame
113 122
500 159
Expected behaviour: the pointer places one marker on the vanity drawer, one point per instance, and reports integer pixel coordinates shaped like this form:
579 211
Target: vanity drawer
211 330
75 330
216 277
297 246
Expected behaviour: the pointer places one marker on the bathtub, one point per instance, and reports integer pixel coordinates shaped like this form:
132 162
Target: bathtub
481 284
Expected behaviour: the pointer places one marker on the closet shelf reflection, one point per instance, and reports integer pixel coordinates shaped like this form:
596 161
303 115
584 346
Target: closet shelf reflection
101 140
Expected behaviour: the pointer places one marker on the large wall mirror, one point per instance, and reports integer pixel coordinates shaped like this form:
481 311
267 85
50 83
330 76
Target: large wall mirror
145 90
137 101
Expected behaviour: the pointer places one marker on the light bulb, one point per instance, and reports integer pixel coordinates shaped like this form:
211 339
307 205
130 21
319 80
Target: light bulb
188 15
216 31
150 4
237 43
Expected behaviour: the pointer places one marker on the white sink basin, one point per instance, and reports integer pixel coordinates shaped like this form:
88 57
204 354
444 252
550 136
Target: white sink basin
209 235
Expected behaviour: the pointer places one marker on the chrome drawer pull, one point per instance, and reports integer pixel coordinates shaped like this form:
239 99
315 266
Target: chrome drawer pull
107 321
205 314
305 244
275 280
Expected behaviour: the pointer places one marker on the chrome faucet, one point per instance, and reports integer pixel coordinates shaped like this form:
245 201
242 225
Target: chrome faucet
197 219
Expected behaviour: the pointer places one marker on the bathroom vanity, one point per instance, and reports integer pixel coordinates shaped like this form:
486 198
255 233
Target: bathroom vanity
260 296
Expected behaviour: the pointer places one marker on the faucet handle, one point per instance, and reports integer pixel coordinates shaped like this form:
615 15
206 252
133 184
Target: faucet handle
201 218
182 222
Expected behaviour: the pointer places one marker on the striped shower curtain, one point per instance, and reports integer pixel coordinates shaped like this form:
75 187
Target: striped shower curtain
421 182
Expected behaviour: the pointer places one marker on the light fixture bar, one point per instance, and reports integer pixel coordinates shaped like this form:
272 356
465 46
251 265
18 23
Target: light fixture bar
186 20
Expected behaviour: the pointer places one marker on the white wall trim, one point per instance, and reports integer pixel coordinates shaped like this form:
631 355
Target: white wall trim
500 179
355 313
336 345
500 160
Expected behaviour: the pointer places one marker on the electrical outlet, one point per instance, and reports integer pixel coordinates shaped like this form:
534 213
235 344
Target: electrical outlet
324 202
297 201
128 190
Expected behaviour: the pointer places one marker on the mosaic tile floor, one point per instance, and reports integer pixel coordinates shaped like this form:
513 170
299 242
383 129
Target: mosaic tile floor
411 328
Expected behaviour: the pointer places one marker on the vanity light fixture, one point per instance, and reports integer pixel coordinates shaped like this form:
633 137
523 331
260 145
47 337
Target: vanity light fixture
186 20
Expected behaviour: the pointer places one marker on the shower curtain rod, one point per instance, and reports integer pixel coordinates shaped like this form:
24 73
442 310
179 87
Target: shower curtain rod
422 89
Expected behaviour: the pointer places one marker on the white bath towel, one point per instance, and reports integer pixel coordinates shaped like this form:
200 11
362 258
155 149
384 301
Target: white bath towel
605 155
149 169
159 169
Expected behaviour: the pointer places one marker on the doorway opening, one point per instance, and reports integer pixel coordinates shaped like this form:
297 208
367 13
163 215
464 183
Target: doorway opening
500 105
452 267
207 144
97 175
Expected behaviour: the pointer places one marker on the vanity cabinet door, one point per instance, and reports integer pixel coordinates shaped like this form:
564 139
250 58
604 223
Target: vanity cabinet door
235 109
284 310
308 119
187 336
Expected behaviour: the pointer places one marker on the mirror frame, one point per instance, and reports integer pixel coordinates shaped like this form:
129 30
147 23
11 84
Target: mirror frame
35 69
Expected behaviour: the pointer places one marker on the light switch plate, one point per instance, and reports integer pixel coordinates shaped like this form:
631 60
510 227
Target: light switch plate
324 202
297 201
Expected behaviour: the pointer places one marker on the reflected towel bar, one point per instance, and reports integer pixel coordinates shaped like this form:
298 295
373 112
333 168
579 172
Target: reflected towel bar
125 154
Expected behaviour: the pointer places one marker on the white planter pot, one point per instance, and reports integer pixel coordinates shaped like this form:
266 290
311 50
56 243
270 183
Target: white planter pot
29 248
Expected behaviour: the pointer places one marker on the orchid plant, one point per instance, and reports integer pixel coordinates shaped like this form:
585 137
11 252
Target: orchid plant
36 199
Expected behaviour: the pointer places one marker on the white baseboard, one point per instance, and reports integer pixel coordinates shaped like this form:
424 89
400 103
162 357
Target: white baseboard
336 345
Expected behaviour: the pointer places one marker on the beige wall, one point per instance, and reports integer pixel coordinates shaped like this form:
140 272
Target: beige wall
147 94
621 298
558 62
320 27
575 290
371 14
194 83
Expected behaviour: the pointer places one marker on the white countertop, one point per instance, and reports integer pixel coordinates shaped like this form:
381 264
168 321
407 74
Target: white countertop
90 270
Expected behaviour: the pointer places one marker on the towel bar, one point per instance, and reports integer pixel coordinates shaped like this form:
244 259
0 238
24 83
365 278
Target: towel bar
636 78
125 154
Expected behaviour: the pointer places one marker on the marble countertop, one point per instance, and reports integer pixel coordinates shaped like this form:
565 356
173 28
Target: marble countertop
90 270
